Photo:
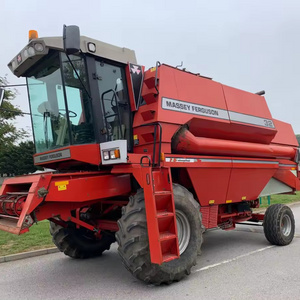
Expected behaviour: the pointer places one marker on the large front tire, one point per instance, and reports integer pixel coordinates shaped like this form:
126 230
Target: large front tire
79 243
132 238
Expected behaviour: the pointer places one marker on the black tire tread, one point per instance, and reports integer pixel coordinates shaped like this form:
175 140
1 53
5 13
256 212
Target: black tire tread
67 240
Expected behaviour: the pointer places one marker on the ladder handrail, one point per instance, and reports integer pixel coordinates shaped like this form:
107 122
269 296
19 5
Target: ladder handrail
156 73
154 143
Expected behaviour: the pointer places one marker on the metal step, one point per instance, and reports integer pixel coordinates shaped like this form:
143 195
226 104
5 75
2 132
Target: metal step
167 236
164 214
169 257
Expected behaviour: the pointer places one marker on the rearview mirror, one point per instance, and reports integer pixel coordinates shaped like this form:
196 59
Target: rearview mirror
71 38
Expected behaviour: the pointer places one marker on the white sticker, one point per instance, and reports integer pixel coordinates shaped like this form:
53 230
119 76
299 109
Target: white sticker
190 160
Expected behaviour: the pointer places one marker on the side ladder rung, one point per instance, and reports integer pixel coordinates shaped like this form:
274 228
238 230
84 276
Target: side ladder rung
164 214
169 257
159 193
165 236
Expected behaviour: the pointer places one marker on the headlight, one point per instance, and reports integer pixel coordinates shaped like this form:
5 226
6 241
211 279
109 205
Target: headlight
13 64
31 51
112 154
39 47
25 53
91 47
106 155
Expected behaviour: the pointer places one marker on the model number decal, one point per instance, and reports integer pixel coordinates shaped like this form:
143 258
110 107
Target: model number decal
249 119
269 123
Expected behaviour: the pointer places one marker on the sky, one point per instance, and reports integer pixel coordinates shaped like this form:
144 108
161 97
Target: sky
251 45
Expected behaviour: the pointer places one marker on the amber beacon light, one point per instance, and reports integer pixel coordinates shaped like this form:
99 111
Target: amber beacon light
33 34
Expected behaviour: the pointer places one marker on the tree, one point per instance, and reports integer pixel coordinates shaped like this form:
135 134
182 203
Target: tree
8 112
17 159
25 153
298 138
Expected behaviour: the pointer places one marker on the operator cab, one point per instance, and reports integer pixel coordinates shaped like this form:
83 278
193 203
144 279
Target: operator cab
76 99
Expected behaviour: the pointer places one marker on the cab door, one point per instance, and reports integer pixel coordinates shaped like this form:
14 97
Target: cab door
114 102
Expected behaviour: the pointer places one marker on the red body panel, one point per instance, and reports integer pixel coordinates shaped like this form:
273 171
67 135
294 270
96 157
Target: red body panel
247 182
285 134
243 102
211 183
229 179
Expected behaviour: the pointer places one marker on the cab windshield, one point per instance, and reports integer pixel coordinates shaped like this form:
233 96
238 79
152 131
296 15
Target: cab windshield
60 106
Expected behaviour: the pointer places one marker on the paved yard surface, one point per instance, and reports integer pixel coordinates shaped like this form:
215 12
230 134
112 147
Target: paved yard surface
238 264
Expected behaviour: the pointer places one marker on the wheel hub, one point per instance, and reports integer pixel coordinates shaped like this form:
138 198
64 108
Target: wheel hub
286 225
183 230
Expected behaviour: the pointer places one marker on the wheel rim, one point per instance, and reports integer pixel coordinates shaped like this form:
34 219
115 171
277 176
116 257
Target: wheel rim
286 225
183 230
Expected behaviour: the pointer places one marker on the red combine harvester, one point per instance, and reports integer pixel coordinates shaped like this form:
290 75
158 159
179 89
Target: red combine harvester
148 158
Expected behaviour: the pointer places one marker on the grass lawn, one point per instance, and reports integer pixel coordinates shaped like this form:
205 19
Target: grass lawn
38 237
280 199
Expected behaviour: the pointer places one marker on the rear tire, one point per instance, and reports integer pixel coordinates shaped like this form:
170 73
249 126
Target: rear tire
79 243
279 225
132 238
